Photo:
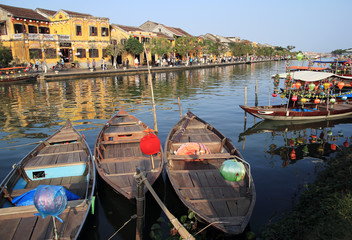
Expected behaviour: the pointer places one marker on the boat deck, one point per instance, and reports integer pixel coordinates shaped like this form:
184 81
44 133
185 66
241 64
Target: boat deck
118 154
199 182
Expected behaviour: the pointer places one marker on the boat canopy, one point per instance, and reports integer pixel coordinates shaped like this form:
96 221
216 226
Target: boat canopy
311 76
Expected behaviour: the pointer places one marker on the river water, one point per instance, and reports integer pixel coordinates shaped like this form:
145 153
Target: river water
33 111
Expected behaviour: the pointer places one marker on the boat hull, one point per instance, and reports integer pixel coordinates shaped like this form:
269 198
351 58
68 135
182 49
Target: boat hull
117 153
281 113
197 181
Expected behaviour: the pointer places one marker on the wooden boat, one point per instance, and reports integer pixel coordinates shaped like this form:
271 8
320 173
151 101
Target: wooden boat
17 74
117 154
64 159
314 112
198 183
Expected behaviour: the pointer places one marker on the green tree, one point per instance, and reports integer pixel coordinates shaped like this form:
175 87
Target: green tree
338 51
115 50
5 56
159 46
240 49
290 47
185 45
133 46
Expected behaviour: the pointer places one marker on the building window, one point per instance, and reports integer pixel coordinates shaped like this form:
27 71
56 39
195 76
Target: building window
104 53
32 29
3 28
19 28
50 53
35 53
93 31
105 32
81 53
78 30
44 30
145 40
93 53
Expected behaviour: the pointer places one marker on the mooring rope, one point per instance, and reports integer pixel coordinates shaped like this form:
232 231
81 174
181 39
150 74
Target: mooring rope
131 218
207 227
21 145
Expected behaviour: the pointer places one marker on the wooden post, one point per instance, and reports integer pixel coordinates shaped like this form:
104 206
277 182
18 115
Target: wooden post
179 227
150 82
179 107
245 96
256 92
140 204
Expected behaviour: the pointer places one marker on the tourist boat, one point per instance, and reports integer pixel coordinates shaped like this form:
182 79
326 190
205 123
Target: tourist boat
197 179
312 112
63 160
17 74
117 153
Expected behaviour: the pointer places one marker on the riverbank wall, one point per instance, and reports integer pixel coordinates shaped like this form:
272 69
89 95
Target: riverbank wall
71 73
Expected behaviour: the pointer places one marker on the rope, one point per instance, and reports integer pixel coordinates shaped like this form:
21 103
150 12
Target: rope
207 227
22 145
131 218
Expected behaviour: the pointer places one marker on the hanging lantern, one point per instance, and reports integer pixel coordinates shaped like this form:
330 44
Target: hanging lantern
274 94
317 100
344 97
340 85
333 146
329 133
232 171
299 56
332 100
50 200
293 154
316 87
326 85
321 149
340 133
150 144
345 143
294 98
303 100
298 85
282 95
311 86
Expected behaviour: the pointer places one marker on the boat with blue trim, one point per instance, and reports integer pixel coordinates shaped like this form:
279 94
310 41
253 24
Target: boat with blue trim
62 161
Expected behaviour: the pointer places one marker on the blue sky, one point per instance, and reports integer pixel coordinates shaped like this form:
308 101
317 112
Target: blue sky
309 25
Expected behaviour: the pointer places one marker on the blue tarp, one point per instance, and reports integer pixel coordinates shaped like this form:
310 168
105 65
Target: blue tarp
27 198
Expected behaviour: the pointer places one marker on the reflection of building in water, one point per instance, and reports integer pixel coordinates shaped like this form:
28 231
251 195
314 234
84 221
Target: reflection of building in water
95 98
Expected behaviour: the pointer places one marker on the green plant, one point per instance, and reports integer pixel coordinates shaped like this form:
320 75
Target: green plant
189 221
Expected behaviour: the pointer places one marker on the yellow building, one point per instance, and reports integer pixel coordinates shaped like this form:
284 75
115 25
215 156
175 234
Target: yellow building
120 34
53 35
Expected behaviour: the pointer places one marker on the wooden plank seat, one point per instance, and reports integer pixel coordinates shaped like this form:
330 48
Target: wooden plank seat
121 140
76 185
31 209
123 123
204 156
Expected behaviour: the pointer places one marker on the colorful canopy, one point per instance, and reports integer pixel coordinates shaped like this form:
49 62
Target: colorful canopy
311 76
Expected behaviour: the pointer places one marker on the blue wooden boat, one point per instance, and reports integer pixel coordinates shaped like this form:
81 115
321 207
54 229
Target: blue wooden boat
64 159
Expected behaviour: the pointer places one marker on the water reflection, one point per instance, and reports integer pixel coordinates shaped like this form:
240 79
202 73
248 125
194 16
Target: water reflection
294 141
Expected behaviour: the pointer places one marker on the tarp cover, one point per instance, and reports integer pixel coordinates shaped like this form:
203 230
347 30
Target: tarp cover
311 76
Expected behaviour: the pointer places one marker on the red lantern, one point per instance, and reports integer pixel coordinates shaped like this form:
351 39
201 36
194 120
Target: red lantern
294 98
345 143
150 144
274 94
317 100
293 154
340 85
333 146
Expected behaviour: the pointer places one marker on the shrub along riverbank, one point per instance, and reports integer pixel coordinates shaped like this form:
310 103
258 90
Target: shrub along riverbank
324 210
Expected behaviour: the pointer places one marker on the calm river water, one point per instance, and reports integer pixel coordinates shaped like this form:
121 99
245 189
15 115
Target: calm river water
31 112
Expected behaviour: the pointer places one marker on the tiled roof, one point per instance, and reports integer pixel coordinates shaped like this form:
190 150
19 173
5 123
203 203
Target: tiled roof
46 11
128 28
182 31
23 12
162 35
76 14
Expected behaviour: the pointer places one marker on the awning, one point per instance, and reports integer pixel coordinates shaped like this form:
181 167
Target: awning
311 76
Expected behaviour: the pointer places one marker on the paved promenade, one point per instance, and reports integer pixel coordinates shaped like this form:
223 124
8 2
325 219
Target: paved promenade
84 72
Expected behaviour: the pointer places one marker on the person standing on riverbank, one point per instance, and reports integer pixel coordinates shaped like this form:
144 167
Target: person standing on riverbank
88 63
94 64
136 62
